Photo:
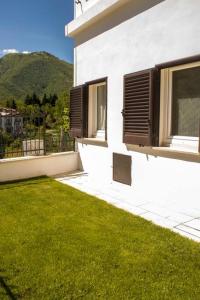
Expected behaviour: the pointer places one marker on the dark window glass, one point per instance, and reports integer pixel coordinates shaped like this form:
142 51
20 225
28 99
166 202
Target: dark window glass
101 107
186 102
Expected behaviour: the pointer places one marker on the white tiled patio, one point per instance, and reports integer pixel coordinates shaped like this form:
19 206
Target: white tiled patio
178 215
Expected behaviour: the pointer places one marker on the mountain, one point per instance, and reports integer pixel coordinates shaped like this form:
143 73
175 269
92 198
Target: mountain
37 72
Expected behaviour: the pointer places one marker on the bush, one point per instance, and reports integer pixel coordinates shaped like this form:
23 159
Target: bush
5 140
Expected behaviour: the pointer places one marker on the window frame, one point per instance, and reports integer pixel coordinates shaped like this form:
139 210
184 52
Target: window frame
95 132
176 142
92 111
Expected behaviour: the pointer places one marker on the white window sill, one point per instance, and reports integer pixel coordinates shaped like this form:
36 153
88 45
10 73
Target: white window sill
182 149
182 144
166 152
93 141
177 150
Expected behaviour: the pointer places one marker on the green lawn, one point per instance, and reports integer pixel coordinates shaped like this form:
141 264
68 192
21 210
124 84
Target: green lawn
59 243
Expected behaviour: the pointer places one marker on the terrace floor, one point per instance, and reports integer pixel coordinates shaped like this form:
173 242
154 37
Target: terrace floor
178 215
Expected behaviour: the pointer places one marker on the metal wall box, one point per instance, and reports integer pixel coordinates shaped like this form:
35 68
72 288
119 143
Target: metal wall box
122 166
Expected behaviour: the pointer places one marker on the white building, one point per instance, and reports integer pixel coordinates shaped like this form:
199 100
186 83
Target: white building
135 106
11 121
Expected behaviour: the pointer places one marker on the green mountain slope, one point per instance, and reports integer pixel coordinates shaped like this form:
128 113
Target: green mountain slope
38 72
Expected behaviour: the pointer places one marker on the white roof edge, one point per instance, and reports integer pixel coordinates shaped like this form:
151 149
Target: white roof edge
96 12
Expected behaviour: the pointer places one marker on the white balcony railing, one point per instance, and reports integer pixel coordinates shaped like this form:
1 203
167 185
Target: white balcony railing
87 12
82 6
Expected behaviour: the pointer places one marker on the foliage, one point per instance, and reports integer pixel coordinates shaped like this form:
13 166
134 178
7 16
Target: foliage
62 111
5 136
11 104
5 140
65 119
59 243
17 143
49 114
53 108
39 72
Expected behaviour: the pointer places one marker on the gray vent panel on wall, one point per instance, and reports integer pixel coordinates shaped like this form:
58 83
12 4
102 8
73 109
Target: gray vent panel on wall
122 165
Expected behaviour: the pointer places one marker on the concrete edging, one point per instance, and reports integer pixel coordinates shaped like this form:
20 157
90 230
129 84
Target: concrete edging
28 167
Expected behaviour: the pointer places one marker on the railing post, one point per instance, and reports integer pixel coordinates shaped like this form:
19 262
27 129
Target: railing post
44 133
74 145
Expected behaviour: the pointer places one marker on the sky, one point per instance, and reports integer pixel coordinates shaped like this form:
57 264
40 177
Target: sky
36 25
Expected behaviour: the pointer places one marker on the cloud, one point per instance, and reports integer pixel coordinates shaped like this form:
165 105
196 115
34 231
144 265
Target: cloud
8 51
12 51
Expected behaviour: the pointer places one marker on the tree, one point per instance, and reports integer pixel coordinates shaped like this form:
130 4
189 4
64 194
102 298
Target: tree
45 100
53 107
35 100
8 104
62 112
14 105
27 100
53 100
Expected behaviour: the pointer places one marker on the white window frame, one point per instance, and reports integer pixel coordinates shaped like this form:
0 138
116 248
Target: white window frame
92 113
183 143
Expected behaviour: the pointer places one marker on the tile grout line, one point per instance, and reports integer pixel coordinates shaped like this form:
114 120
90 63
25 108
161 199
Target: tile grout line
187 233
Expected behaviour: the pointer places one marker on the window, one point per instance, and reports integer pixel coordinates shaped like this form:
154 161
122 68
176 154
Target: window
97 110
180 107
88 112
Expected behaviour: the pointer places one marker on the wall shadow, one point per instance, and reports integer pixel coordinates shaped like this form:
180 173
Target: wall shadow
120 15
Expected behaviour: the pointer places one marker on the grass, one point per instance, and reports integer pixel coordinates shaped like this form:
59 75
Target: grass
59 243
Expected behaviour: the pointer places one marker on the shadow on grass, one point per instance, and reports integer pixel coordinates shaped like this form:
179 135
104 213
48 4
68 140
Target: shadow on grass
6 289
23 182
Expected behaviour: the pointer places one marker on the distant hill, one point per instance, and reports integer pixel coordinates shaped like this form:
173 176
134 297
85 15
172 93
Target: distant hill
38 72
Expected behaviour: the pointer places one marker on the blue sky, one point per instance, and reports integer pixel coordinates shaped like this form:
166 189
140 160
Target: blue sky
36 25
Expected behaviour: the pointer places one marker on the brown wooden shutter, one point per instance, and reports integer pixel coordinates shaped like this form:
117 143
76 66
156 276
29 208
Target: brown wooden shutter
138 108
156 107
78 111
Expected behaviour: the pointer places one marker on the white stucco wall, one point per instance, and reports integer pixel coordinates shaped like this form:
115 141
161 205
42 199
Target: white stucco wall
22 168
137 37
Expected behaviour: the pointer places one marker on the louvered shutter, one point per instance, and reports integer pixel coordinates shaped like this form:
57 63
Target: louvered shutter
138 108
78 111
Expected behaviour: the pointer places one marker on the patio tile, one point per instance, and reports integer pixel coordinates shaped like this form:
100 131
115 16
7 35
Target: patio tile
90 191
188 210
180 218
195 224
186 234
84 188
135 201
164 222
129 208
156 209
107 198
192 213
189 230
137 210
